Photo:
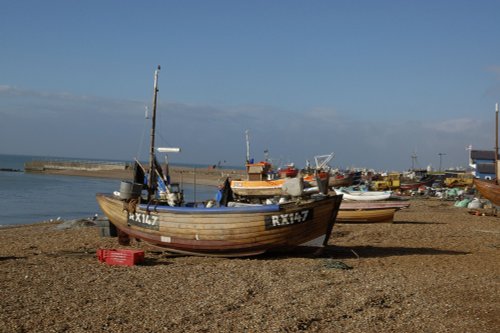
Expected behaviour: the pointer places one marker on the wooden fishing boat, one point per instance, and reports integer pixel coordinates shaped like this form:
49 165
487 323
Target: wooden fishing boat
365 215
408 186
356 205
225 231
489 189
341 180
258 188
364 195
231 229
261 182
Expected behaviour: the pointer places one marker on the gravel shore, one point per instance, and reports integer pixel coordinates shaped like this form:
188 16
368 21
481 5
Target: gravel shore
435 269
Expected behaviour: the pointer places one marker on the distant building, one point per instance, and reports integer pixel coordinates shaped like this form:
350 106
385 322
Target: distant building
482 163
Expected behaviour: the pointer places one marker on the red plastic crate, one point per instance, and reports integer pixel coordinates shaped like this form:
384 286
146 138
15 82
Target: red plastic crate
122 257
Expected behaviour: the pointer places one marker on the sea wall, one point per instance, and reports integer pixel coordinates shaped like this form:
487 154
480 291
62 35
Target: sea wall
41 166
124 171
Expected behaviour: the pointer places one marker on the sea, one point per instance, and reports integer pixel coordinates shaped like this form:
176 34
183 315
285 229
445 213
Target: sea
27 198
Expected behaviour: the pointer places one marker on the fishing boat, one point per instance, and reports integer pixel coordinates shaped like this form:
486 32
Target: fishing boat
414 185
367 211
364 195
365 215
289 172
341 180
357 205
230 229
261 182
490 189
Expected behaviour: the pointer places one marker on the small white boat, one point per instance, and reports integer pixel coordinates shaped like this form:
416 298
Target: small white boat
364 195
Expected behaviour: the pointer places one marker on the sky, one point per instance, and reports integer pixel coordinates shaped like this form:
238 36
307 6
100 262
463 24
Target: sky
373 82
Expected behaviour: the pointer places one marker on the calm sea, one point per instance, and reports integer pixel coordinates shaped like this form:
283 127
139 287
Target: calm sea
29 198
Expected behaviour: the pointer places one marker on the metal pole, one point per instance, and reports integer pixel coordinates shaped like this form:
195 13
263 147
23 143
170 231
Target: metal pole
194 184
496 142
152 144
248 146
440 160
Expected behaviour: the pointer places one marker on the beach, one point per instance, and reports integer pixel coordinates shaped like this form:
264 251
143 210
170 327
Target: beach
435 269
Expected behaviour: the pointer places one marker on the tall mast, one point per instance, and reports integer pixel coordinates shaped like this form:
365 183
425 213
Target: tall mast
152 145
496 142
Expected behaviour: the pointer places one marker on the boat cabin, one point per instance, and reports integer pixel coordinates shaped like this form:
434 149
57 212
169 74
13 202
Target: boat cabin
259 171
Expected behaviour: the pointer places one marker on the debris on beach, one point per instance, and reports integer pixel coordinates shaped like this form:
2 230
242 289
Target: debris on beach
77 223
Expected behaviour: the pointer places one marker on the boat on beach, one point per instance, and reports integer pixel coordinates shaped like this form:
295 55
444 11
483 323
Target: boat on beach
489 189
364 195
374 204
261 182
366 215
367 212
227 228
414 185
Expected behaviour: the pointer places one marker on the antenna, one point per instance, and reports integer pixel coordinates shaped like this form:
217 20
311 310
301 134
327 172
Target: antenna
414 160
248 145
266 155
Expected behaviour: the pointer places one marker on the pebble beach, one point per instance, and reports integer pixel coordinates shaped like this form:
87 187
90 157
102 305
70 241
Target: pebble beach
435 269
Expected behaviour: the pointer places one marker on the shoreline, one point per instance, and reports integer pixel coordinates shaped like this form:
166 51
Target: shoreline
434 269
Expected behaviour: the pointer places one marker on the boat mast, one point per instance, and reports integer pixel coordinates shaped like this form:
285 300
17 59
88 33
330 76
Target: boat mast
152 145
496 142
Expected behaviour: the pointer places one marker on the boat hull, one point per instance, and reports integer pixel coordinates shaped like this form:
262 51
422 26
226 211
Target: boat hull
416 185
257 188
366 215
365 195
488 189
356 205
225 231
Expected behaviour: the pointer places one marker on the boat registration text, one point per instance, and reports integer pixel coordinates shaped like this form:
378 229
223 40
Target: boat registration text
144 221
282 220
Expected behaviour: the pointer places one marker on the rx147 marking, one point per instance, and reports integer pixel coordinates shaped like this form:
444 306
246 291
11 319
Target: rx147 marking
282 220
144 220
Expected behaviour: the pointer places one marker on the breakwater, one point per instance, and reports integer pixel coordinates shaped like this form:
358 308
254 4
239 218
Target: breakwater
124 171
80 165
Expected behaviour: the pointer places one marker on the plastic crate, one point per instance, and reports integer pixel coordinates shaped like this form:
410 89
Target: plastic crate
121 257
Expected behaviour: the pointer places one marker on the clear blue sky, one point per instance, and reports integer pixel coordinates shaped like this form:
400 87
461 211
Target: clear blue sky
372 81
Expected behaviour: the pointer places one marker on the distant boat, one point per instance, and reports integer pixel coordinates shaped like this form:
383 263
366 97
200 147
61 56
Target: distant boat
258 188
341 180
261 182
414 185
364 195
232 229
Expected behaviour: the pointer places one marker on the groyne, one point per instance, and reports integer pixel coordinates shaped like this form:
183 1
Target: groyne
124 171
41 166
